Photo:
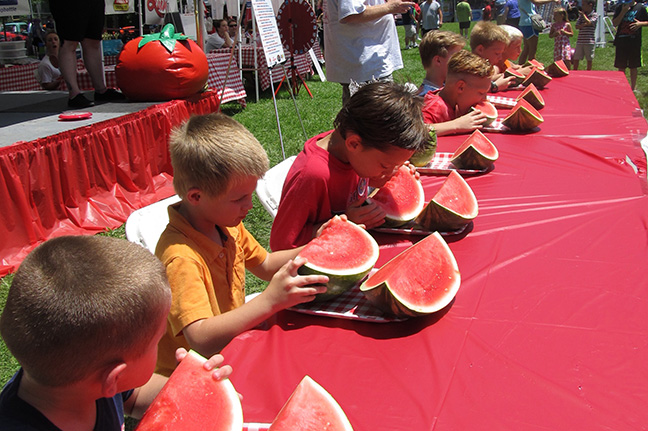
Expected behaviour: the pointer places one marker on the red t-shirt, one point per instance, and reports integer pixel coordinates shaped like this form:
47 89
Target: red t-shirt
436 110
317 187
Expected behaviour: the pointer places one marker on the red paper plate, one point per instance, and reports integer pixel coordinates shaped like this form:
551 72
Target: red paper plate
75 115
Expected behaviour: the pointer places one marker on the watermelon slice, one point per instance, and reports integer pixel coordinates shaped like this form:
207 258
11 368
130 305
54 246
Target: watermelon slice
421 280
535 63
192 398
519 76
344 252
451 208
401 198
537 77
523 117
422 158
477 152
533 96
310 408
487 109
558 69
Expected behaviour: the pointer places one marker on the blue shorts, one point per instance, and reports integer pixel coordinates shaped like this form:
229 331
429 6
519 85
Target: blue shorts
528 31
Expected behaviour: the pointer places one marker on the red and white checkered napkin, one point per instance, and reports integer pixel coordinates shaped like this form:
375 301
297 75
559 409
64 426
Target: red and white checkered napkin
255 427
501 102
351 305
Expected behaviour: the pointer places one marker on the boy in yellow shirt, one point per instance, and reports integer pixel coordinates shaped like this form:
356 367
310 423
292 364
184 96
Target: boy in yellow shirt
206 248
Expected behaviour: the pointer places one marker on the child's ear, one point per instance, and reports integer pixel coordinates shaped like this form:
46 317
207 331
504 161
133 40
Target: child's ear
110 379
353 142
193 195
479 50
460 86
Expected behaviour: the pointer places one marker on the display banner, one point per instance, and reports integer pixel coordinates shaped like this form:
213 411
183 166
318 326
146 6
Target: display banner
14 7
267 26
155 10
114 7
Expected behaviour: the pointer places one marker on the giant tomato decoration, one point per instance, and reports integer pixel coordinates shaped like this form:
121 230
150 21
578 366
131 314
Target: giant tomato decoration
161 66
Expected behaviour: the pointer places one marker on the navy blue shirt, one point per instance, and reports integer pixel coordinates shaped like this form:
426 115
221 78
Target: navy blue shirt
16 414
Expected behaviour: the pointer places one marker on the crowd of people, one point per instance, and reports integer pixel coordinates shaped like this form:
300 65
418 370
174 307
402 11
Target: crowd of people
72 294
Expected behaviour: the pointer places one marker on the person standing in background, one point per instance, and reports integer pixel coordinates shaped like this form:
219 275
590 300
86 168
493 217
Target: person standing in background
431 16
528 8
409 24
512 13
629 18
464 16
586 41
361 40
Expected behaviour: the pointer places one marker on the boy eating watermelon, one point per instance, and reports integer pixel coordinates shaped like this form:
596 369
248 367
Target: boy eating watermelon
83 318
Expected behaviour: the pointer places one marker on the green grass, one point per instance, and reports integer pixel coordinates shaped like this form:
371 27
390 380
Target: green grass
317 115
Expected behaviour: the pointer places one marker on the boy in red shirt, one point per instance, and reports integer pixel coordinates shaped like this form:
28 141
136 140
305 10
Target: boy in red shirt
467 83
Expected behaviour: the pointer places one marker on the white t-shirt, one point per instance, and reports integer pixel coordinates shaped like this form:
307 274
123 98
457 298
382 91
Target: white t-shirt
362 51
47 72
430 15
214 41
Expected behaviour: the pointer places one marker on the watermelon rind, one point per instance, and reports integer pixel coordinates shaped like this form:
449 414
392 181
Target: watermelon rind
425 156
393 220
189 400
425 273
523 117
342 280
534 63
439 217
557 69
468 156
519 76
488 109
537 78
533 96
311 408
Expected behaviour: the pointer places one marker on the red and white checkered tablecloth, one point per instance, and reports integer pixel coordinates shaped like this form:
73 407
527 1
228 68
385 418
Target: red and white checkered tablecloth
302 63
19 78
218 71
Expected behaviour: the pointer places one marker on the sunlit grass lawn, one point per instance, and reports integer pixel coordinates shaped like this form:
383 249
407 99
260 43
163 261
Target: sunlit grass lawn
317 115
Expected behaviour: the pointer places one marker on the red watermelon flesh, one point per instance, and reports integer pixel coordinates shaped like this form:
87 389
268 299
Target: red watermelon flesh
558 69
421 280
311 408
451 208
192 398
535 63
537 77
344 252
402 198
487 109
523 117
533 96
476 152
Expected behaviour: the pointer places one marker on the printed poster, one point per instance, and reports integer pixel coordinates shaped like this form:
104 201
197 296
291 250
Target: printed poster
267 26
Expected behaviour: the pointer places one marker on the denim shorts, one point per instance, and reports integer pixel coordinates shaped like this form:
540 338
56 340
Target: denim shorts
528 31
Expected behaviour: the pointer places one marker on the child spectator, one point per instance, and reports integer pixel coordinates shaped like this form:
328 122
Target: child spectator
436 49
83 318
561 31
467 83
409 24
464 16
586 26
489 41
512 51
487 11
206 248
629 18
376 131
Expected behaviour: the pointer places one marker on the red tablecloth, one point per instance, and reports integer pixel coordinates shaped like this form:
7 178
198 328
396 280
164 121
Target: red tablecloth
549 330
302 63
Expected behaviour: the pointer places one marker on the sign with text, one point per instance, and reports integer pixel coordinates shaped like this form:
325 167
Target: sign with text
267 26
14 7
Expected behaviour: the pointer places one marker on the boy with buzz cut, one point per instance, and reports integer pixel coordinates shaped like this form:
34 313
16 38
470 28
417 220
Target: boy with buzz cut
489 41
467 83
83 318
206 248
435 50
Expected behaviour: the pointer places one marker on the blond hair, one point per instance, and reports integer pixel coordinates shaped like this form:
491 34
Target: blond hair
79 303
513 32
438 43
210 151
563 12
465 63
485 33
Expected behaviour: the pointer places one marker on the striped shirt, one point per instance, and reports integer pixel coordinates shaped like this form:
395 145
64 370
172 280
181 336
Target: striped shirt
586 34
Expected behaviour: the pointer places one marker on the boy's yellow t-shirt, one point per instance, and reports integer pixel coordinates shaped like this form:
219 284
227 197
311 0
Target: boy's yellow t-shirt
206 279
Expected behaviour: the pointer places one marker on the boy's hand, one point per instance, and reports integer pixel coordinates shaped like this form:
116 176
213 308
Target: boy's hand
365 213
214 363
287 288
504 82
469 122
413 170
342 217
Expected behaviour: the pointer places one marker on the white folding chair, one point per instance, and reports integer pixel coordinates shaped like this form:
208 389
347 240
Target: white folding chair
145 225
269 187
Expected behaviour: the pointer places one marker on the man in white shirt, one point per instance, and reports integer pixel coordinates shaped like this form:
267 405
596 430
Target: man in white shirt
361 40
